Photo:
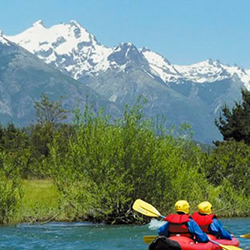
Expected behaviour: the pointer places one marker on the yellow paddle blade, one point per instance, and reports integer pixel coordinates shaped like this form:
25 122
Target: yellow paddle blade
149 238
146 209
245 236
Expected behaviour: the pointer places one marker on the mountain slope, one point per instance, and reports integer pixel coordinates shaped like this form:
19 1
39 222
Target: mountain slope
23 77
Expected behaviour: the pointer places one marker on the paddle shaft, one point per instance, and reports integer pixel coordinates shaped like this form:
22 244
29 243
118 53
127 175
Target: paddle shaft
225 247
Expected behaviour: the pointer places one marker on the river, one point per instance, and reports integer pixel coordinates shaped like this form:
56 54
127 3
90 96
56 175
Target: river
87 236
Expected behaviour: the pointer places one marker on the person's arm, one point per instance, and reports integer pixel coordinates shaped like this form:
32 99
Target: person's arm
200 236
221 232
163 230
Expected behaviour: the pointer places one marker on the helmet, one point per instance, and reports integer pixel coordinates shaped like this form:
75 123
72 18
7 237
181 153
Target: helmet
182 206
205 207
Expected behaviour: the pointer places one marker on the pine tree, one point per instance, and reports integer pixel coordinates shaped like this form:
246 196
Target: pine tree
235 123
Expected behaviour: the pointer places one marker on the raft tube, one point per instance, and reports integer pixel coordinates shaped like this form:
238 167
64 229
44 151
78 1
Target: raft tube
185 243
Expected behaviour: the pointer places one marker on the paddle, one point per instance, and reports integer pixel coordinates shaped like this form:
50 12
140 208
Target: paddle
245 236
148 210
226 247
149 238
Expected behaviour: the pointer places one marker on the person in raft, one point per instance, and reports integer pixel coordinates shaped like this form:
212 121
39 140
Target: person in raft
182 224
208 222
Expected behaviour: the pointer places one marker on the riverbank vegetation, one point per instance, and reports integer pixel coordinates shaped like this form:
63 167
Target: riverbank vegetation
96 167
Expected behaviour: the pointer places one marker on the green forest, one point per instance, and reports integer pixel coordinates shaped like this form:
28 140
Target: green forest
95 167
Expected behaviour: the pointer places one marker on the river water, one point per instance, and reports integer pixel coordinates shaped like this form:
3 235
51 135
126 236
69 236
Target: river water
87 236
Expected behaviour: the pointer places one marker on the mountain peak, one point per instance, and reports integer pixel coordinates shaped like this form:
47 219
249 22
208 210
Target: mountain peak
126 45
145 49
239 67
80 32
38 23
215 63
75 23
210 61
126 52
154 56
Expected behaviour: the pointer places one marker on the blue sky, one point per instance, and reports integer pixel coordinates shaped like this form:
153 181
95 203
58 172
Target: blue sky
183 31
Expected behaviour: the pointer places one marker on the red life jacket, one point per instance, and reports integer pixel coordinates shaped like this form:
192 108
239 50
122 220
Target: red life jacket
203 220
178 225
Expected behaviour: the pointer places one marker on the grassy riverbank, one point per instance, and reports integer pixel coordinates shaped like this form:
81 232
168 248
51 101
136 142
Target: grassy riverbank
40 201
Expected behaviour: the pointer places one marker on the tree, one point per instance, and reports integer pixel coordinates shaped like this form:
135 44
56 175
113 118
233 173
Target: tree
50 111
230 161
50 115
235 123
13 138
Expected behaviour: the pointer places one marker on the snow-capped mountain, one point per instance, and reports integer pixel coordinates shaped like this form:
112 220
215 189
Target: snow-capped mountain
73 50
192 94
202 72
24 77
68 47
212 71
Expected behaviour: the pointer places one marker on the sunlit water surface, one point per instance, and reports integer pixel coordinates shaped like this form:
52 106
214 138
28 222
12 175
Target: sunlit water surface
55 236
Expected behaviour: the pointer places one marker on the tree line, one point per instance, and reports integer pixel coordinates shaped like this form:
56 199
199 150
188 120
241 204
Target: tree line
100 165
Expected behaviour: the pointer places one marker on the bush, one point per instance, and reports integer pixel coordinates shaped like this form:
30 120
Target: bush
10 189
109 165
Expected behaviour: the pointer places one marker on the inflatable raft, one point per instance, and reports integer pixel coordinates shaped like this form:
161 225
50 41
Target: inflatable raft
185 243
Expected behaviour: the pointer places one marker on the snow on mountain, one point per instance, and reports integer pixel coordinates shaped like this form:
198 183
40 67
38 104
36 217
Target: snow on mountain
212 71
243 74
68 47
206 71
73 50
161 67
247 71
63 38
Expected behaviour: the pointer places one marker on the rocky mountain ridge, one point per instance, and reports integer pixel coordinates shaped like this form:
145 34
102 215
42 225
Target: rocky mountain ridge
72 49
